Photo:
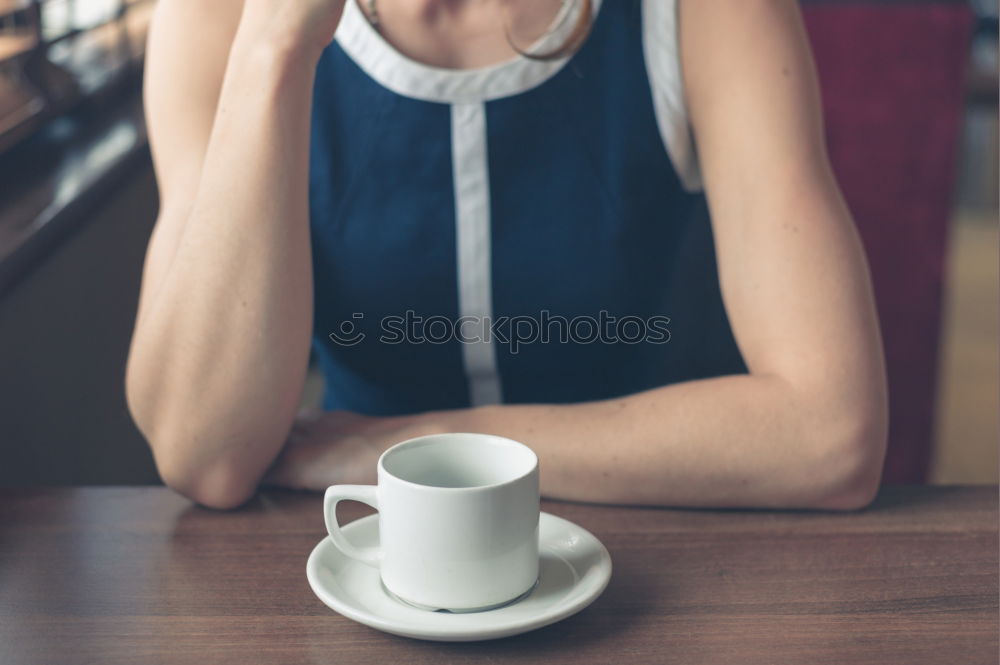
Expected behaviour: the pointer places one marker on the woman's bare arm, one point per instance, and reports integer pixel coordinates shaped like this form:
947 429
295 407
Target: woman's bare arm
806 427
221 342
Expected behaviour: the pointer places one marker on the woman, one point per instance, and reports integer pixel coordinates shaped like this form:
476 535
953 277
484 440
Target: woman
476 161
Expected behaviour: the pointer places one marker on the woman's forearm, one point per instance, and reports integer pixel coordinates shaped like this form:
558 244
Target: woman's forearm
220 350
734 441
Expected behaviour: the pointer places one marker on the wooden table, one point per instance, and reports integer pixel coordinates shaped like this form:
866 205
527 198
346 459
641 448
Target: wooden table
139 575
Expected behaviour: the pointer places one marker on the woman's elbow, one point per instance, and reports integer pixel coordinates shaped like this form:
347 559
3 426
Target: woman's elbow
851 464
854 492
222 486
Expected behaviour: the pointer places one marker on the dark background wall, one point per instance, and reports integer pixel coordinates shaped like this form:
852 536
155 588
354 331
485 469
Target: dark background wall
65 329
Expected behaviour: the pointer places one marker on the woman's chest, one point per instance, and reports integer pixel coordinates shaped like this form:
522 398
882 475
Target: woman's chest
541 211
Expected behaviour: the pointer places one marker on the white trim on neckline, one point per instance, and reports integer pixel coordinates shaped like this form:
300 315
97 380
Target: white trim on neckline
410 78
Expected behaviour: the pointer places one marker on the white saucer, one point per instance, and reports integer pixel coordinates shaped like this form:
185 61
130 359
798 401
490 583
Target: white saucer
574 569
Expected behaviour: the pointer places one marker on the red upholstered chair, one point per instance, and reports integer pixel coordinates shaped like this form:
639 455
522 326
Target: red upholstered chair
892 76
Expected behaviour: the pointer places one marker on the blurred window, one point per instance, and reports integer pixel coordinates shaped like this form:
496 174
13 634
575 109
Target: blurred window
57 54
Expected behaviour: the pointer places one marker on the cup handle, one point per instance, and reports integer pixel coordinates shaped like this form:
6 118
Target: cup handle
334 495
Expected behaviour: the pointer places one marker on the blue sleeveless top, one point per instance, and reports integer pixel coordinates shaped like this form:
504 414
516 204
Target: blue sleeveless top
531 232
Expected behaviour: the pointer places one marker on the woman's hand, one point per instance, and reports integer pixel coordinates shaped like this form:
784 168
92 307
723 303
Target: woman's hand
337 447
299 23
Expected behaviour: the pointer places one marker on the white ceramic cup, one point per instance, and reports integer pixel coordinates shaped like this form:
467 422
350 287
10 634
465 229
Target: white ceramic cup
458 521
